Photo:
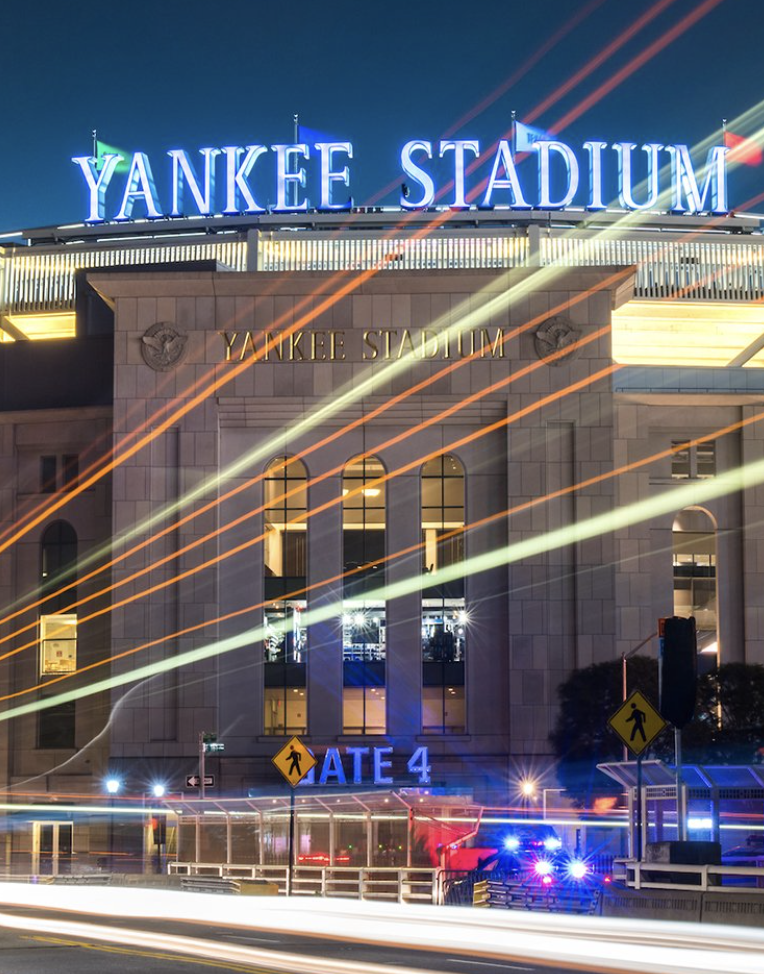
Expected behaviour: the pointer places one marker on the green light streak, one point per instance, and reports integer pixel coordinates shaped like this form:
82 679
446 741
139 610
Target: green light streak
668 501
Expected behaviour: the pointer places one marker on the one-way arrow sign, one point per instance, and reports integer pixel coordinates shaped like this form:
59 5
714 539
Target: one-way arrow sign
193 780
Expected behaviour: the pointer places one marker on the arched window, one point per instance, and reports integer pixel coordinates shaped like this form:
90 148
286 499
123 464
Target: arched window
286 504
363 617
694 551
285 563
444 613
58 629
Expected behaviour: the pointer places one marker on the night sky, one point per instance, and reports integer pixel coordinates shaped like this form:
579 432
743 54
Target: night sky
190 73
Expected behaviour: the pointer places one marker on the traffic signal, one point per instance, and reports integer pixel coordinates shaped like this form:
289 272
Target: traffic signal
159 829
678 670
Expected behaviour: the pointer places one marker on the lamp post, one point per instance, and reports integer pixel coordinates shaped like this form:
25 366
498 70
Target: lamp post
528 791
158 826
112 787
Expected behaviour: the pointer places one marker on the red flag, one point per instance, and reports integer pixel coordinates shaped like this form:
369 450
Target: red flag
743 150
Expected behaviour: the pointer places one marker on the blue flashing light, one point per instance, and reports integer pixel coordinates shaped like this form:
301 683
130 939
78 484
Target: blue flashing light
577 869
552 844
512 843
543 867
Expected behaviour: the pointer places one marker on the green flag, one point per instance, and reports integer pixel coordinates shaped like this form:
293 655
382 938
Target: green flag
102 149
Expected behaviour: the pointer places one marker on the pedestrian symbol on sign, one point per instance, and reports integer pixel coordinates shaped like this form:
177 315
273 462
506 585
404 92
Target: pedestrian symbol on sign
637 722
638 716
294 761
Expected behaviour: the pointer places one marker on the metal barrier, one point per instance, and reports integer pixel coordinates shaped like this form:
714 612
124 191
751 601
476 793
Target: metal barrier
676 876
560 899
400 885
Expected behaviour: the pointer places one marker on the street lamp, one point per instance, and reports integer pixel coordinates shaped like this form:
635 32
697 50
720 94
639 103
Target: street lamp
528 791
112 787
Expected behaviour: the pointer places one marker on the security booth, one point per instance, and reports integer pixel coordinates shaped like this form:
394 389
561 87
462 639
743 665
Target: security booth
403 828
725 806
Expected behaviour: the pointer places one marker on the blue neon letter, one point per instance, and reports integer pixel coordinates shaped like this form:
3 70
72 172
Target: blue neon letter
357 753
595 174
140 185
511 181
626 178
97 186
544 147
236 178
685 182
329 176
285 177
380 764
459 146
183 171
418 174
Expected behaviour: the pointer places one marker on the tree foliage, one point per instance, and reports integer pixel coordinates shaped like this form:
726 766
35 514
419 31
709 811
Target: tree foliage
728 726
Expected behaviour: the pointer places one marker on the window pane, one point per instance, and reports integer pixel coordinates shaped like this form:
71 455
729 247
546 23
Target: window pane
71 471
363 710
680 460
705 456
286 638
56 726
444 626
285 711
363 631
47 475
58 644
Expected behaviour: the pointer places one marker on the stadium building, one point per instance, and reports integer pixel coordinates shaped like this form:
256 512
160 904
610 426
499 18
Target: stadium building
377 479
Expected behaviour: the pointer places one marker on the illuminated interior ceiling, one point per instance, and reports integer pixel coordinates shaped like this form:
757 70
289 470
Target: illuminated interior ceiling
689 333
36 327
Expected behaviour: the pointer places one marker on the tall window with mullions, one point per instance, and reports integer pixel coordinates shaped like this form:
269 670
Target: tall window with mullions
285 643
444 612
363 625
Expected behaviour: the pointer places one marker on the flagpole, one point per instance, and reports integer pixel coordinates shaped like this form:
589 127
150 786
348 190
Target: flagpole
513 116
724 131
95 145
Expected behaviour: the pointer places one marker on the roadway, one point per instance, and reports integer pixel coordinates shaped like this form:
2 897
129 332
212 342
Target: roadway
75 950
55 929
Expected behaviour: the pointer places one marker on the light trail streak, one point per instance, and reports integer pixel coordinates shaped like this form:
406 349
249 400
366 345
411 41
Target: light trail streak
472 320
509 512
370 484
562 941
162 514
659 45
635 63
669 501
605 54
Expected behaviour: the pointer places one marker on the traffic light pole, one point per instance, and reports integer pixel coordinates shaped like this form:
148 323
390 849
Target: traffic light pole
291 845
202 769
681 809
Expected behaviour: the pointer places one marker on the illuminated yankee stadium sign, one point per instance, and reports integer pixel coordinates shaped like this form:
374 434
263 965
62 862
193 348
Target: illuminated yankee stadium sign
283 173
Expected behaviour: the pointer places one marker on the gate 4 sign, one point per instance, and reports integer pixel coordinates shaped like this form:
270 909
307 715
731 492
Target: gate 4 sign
294 761
637 722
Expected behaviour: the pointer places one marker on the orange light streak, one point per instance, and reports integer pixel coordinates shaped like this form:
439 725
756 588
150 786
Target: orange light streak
636 62
403 552
243 546
392 401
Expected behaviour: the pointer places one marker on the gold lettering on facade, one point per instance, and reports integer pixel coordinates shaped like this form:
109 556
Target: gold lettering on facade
249 342
337 346
387 334
496 347
274 344
370 350
432 337
317 350
406 338
388 343
229 343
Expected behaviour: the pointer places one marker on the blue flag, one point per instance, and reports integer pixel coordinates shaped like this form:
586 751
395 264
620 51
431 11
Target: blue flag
526 136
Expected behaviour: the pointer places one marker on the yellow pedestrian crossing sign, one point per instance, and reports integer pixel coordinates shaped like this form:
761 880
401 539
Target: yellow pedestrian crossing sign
637 722
294 761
